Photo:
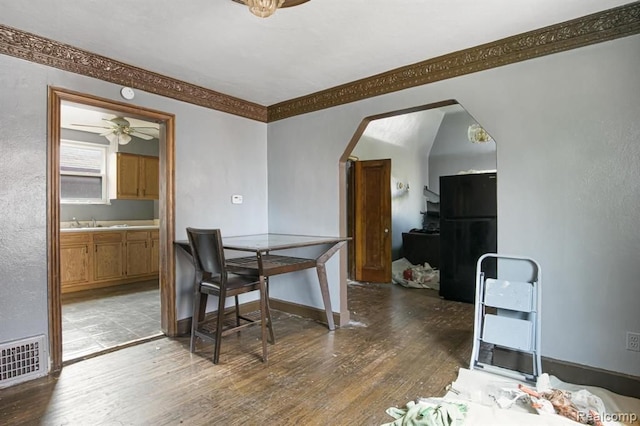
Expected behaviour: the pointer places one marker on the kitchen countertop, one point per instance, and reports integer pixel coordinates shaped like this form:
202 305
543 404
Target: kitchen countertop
108 225
110 228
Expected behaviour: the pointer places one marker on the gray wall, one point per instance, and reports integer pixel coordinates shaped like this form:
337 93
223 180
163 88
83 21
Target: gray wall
567 129
118 209
568 156
452 152
216 155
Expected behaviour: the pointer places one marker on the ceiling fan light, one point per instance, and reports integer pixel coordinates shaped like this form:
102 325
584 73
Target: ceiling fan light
111 137
124 139
264 8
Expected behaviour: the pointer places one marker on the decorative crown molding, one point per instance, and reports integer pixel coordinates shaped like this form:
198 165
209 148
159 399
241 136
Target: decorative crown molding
591 29
607 25
23 45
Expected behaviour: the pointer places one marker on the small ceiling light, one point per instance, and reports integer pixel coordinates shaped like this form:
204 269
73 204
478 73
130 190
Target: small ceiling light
477 134
266 8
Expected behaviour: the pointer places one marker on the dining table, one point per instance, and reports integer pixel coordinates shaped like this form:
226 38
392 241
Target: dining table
267 260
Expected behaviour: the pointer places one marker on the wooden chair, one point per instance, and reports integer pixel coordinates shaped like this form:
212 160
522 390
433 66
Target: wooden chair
212 278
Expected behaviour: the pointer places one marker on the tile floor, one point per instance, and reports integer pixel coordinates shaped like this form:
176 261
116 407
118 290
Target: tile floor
95 320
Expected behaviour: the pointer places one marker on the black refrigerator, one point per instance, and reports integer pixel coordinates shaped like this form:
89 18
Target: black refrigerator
468 229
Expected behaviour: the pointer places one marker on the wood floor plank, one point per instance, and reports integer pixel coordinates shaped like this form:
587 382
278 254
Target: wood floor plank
401 344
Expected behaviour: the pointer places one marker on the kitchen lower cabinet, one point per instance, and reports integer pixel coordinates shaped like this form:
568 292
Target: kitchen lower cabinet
95 259
155 252
138 253
108 250
75 260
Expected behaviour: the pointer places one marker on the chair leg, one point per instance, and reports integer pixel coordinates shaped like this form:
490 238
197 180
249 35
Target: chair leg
237 312
219 326
195 320
263 317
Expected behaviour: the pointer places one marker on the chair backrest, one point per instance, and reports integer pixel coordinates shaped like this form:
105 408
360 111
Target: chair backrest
207 250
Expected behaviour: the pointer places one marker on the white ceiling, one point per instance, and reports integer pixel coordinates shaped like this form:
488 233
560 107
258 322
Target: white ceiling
219 45
88 119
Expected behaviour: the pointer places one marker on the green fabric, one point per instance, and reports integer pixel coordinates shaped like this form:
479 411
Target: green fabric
428 413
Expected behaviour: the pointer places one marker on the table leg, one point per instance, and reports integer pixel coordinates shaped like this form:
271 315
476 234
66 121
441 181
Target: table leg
263 317
324 284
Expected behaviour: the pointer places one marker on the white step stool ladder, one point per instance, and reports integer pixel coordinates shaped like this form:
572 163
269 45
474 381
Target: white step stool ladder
507 312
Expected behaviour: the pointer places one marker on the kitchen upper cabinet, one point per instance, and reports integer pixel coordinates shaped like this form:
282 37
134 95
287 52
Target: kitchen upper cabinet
136 177
108 256
75 259
150 169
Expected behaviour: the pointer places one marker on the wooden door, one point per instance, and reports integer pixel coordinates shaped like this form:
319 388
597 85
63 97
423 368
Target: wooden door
128 175
74 265
107 256
149 178
372 220
138 253
155 252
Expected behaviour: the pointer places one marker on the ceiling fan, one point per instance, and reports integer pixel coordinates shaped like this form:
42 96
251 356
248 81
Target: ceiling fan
119 130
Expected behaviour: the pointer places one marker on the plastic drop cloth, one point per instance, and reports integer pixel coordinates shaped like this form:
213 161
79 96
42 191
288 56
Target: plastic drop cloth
409 275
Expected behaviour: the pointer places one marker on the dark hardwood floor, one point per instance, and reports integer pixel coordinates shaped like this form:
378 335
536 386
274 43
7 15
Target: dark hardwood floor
401 344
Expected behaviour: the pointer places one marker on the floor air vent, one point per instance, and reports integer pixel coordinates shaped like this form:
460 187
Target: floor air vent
22 360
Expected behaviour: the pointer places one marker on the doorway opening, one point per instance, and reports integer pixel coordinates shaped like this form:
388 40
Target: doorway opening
110 251
422 144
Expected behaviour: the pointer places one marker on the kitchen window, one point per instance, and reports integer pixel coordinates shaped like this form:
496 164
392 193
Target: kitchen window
83 173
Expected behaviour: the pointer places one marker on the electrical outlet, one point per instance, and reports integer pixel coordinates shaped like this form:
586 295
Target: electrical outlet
633 341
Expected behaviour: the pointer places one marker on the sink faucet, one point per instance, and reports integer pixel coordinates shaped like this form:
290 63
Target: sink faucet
93 222
77 223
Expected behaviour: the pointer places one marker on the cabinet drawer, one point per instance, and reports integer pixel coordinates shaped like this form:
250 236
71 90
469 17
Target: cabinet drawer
75 238
155 235
137 235
107 237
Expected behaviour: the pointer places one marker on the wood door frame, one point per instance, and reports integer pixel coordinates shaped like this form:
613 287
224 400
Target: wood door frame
169 321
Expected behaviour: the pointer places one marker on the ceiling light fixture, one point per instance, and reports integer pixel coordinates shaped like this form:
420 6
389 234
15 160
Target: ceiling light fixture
266 8
118 137
477 134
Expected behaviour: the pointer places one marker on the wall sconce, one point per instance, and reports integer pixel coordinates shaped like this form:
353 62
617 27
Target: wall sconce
477 134
398 187
402 186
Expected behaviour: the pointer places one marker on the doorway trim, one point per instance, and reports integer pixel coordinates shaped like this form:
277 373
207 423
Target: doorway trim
56 95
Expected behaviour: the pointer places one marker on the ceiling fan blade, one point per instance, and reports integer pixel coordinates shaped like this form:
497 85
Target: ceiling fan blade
88 125
108 132
136 133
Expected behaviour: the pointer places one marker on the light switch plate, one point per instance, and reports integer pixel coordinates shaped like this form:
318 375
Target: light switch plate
236 199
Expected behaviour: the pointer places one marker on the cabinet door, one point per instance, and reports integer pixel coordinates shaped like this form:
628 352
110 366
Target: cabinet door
107 256
74 264
138 253
149 179
128 175
75 259
155 252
